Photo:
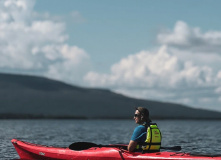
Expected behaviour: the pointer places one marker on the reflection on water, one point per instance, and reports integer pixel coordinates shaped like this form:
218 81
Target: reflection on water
192 135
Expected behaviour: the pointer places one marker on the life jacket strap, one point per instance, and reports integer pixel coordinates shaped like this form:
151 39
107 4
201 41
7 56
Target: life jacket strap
145 144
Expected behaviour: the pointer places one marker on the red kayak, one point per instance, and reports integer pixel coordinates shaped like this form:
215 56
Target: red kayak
31 151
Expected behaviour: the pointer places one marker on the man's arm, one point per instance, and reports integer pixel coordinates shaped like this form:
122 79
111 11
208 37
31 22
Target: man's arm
131 146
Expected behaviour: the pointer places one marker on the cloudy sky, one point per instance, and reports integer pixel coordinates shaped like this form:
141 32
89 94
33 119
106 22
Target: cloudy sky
168 51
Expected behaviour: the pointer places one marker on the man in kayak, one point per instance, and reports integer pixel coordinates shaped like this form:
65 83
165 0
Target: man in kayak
146 136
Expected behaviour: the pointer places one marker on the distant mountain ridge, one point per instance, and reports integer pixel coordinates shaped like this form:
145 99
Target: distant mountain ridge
24 96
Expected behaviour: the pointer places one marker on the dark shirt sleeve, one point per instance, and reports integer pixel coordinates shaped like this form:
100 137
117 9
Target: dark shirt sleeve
139 134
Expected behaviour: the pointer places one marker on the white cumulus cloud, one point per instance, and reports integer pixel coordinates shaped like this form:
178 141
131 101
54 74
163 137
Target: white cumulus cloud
192 39
31 42
154 69
182 70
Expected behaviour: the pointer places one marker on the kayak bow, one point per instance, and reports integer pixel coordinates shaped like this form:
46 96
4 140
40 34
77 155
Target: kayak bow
33 151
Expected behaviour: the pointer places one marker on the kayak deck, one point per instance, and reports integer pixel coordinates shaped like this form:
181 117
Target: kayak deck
34 151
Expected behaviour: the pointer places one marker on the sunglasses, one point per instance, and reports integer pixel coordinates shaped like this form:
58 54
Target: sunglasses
136 115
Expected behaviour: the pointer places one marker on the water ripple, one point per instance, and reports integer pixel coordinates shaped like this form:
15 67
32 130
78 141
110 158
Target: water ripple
193 136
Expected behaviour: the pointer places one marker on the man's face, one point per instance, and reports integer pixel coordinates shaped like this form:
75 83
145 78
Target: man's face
137 117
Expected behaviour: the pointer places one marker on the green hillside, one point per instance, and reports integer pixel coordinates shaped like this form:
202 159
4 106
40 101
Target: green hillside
36 97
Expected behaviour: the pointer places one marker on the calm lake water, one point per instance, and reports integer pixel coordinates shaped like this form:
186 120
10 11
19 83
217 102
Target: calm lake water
195 136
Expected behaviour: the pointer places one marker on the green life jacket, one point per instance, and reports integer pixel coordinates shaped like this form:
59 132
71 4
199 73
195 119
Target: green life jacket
153 140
